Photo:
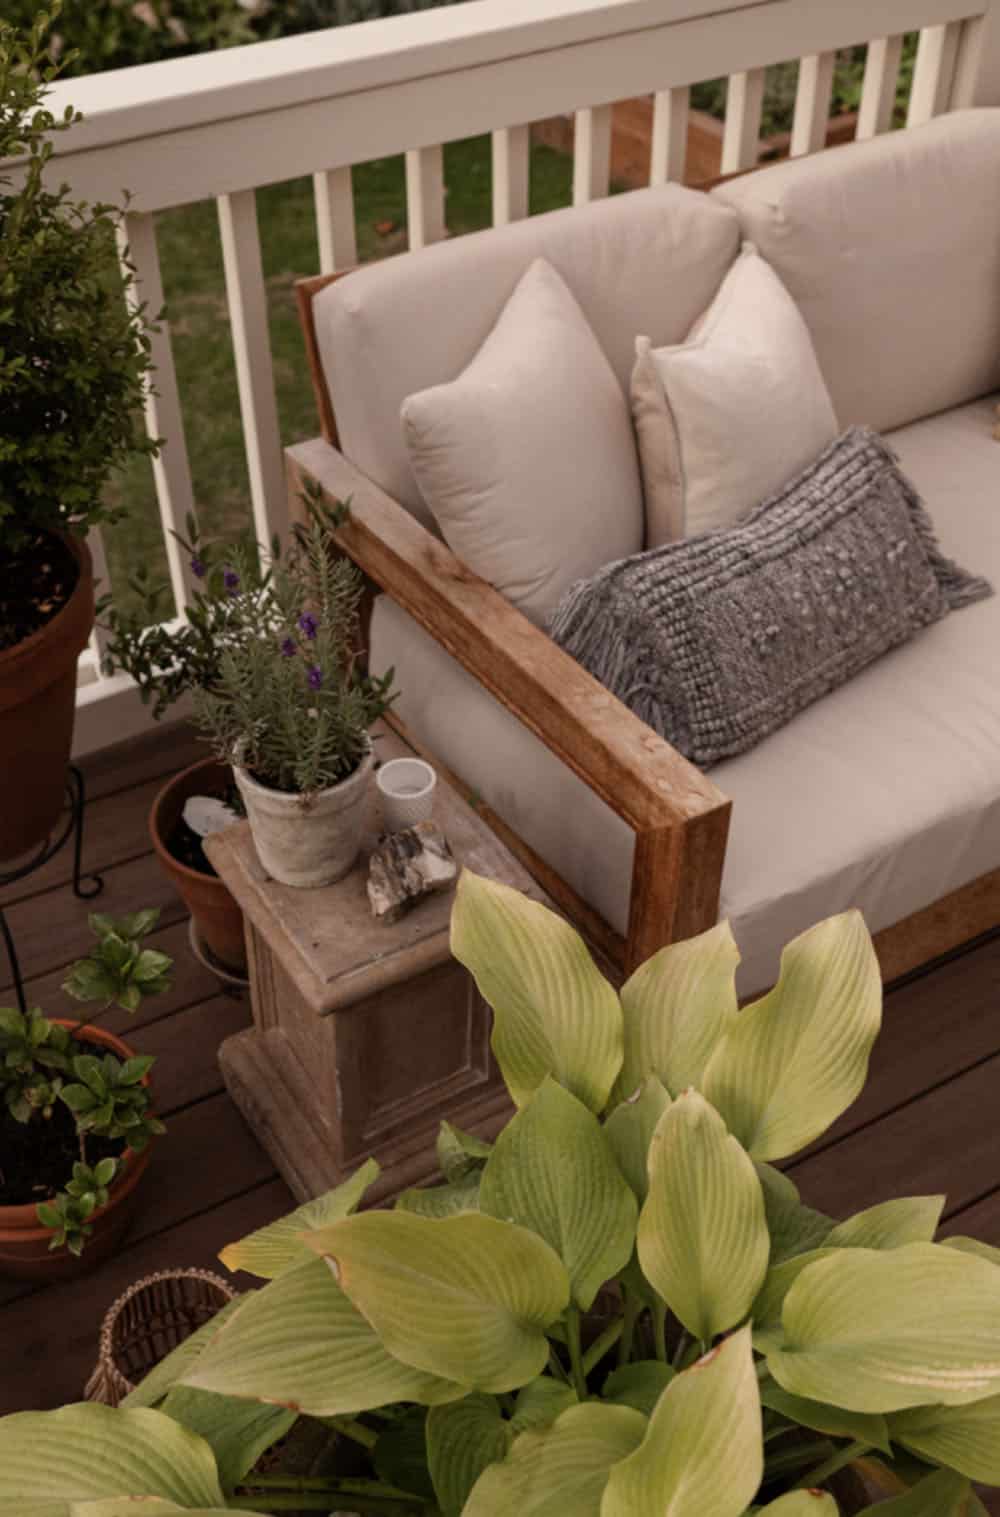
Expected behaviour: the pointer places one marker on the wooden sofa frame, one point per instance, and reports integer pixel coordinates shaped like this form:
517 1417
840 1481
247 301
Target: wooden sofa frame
678 815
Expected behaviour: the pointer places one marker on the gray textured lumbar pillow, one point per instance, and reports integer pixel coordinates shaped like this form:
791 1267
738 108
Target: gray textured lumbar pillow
718 640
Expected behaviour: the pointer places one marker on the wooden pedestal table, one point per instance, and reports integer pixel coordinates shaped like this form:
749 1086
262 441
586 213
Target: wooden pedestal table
365 1035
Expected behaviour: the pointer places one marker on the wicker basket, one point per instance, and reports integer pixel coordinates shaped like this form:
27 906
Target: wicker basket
147 1323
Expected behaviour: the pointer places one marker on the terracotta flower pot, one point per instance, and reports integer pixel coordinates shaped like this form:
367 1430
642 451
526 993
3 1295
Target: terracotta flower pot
218 919
24 1243
37 707
308 846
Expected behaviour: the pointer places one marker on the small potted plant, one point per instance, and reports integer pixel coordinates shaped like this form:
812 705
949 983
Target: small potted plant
268 656
73 361
291 710
748 1354
75 1119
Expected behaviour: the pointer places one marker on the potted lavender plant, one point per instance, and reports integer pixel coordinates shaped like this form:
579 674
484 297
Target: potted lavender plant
290 709
268 656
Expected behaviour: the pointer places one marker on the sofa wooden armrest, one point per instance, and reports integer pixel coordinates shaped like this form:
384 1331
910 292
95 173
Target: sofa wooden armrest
679 818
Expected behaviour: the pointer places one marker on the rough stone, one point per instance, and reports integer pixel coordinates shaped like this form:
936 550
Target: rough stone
405 867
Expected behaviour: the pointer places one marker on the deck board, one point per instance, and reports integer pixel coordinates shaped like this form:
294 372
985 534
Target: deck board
927 1121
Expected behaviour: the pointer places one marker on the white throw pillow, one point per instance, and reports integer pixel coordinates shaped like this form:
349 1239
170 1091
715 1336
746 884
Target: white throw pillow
527 459
733 414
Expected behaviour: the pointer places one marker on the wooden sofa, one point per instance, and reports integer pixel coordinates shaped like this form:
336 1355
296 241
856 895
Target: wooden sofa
679 817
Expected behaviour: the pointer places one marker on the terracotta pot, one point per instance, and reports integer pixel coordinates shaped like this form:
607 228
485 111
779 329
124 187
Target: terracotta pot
37 707
24 1243
308 846
218 919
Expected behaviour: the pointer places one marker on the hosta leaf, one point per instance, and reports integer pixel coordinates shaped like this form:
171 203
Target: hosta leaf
554 1012
237 1432
400 1455
944 1494
908 1219
803 1504
460 1152
467 1298
562 1470
171 1369
272 1249
676 1007
973 1246
462 1439
877 1332
793 1061
859 1427
638 1385
142 1506
770 1299
443 1200
967 1438
794 1228
630 1128
702 1455
702 1240
552 1170
300 1343
540 1402
89 1451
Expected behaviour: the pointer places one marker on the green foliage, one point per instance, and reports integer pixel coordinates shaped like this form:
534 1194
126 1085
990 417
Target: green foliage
93 35
40 1065
268 654
445 1338
73 354
68 1213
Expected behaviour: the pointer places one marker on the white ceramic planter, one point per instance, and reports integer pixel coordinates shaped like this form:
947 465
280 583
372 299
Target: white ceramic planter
306 847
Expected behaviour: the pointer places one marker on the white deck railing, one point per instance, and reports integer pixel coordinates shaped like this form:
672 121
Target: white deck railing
220 125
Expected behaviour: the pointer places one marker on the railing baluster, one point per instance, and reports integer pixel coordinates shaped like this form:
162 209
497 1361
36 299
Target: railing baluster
878 93
744 107
812 103
511 173
425 195
671 109
977 68
333 194
592 154
102 584
934 73
247 300
162 405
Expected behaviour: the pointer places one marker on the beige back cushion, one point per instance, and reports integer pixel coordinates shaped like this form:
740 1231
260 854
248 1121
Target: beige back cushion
649 261
891 248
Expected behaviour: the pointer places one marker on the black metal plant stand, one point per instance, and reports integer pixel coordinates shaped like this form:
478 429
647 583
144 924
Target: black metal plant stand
84 891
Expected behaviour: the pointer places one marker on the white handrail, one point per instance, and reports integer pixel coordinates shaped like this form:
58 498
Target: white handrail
220 125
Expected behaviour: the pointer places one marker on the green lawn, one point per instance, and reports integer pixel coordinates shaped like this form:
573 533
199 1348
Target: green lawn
191 259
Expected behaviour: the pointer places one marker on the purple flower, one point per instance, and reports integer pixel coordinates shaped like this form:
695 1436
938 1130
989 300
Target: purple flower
308 624
198 568
288 647
231 580
315 677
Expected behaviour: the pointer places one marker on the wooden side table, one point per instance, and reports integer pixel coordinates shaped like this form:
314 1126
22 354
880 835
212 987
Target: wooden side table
365 1035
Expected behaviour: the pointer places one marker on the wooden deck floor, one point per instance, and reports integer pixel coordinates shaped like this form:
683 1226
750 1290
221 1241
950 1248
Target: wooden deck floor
929 1120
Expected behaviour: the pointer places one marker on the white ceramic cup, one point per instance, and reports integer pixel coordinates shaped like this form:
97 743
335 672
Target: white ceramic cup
406 786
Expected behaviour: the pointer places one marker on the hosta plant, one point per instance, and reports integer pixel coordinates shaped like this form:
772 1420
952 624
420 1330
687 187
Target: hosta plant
618 1309
68 1112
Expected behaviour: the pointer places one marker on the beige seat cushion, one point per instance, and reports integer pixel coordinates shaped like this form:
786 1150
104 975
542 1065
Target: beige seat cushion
885 795
733 414
649 262
891 249
527 459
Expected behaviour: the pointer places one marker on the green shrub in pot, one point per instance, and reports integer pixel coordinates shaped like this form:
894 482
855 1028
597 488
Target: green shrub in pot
618 1308
74 359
